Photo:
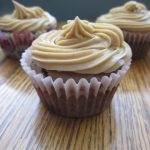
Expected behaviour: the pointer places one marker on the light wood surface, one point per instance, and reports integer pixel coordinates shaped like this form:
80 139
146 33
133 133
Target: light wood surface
25 124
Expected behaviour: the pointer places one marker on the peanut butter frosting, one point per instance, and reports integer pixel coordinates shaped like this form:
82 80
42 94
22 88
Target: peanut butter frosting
26 19
82 47
132 16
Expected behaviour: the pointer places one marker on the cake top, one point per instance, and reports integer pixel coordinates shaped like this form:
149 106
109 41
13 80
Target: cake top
26 19
82 47
132 16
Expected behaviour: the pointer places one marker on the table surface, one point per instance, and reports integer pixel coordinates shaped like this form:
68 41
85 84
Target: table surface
26 124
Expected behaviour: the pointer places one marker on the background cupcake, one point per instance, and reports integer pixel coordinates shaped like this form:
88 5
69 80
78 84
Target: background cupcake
19 29
76 70
134 19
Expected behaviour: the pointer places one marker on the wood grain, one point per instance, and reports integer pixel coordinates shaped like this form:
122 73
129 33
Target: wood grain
25 124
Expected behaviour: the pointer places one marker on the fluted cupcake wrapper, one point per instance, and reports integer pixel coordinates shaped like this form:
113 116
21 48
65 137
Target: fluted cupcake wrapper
139 43
13 44
74 98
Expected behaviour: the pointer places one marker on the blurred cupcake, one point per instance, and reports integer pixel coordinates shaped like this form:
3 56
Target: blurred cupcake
19 29
76 70
134 19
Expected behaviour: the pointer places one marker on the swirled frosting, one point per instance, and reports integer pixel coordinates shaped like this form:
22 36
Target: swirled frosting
82 47
132 16
26 19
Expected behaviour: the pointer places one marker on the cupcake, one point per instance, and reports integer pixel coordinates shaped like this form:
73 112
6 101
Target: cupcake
134 19
77 69
19 29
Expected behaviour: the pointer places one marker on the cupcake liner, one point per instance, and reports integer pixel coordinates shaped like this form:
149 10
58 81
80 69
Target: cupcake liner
13 44
139 43
74 98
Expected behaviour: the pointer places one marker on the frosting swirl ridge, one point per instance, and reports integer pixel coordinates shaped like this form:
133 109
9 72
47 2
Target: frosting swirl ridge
27 19
132 16
22 12
82 47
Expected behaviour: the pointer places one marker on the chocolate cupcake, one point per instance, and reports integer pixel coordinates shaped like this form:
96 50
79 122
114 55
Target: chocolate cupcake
19 29
76 70
134 19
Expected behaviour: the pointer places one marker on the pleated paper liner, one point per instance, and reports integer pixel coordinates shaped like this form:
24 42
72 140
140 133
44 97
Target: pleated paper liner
139 43
14 44
73 98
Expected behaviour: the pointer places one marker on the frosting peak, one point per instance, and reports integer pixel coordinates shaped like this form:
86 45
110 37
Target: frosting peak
130 7
133 6
22 12
132 16
77 29
27 19
82 47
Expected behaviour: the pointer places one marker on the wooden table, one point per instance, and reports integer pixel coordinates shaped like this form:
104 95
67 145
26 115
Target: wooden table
26 124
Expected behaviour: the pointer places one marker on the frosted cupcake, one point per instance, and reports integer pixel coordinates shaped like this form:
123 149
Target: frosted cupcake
76 70
19 29
134 19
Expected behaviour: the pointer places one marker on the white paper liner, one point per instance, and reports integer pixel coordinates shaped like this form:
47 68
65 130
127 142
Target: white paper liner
71 98
139 43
